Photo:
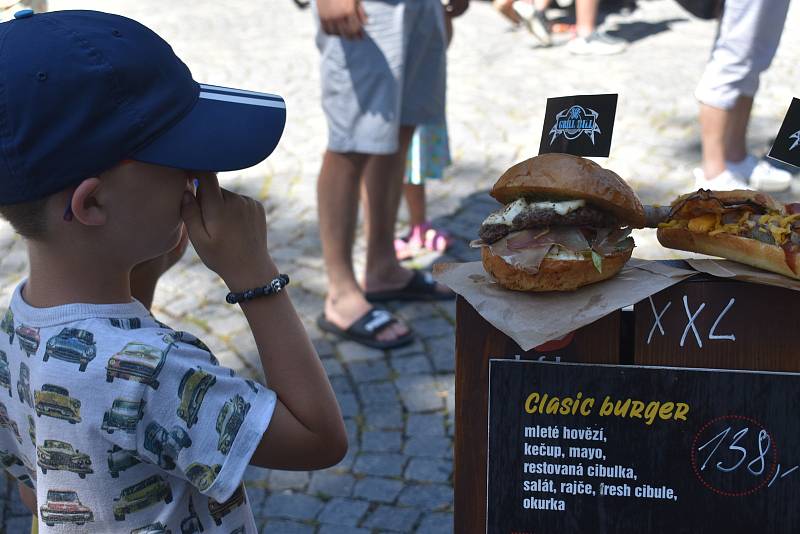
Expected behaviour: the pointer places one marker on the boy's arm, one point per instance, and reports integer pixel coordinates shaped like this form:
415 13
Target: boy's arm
229 234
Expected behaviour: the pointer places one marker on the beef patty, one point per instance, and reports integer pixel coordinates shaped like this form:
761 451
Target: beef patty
533 218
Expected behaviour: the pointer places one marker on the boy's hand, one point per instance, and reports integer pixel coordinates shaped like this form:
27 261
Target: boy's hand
345 18
229 233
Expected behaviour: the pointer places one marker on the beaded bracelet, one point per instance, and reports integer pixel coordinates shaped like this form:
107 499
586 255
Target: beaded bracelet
275 286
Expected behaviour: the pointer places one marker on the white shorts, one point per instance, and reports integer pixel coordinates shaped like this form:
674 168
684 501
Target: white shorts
394 76
747 39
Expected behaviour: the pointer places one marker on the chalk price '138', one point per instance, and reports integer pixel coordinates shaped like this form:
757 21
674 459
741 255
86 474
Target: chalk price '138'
734 456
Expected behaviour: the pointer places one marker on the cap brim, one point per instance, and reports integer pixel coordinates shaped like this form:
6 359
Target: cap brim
228 129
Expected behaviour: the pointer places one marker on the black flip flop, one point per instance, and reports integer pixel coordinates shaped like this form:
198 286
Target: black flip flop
366 329
421 287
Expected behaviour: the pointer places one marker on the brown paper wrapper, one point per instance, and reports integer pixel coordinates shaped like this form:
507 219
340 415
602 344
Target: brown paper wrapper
531 319
739 271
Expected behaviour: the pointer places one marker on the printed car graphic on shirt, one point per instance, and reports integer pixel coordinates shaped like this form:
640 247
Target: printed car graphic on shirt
165 445
229 420
141 495
201 475
5 373
59 455
24 385
7 459
153 528
7 422
72 345
137 361
238 530
28 338
191 392
119 460
25 479
218 510
64 506
191 524
123 415
7 325
54 401
130 323
32 430
176 336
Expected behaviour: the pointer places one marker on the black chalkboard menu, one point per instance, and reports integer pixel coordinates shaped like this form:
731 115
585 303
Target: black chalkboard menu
588 448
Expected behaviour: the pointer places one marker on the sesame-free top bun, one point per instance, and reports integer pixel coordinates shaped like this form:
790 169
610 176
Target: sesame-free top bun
554 274
567 177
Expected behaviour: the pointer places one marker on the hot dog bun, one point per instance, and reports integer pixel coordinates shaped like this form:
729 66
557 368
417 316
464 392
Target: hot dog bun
742 249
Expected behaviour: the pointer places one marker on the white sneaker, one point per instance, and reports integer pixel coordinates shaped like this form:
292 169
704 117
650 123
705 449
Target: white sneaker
535 21
724 181
523 9
540 27
760 174
596 44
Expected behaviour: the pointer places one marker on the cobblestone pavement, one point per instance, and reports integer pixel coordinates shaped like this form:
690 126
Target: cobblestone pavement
399 405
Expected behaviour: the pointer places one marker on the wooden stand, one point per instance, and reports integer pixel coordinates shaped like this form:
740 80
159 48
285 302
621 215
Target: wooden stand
719 324
701 322
476 342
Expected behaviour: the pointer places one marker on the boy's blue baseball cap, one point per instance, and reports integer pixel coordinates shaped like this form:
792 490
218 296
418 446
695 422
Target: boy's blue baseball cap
81 91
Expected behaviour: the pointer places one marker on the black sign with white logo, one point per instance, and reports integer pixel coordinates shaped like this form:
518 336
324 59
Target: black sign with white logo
580 125
787 145
608 449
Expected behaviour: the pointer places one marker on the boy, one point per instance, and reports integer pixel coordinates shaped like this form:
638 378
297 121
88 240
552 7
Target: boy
116 421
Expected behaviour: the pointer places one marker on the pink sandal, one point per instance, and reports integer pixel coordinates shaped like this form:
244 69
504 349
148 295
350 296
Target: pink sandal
423 237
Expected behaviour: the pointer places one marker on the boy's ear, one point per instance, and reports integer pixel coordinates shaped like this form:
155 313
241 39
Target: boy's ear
85 205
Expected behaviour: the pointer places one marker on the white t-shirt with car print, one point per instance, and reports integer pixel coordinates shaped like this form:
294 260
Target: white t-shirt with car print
122 424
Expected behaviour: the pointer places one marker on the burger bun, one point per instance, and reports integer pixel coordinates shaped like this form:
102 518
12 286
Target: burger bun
554 274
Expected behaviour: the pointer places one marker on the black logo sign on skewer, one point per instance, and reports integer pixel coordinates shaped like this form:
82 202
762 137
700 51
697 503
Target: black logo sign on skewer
580 125
607 449
787 145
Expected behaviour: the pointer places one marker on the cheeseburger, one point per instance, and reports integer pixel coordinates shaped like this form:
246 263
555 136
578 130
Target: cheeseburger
744 226
566 223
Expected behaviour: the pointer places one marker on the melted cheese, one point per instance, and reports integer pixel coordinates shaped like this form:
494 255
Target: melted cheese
675 223
776 224
704 223
560 253
506 217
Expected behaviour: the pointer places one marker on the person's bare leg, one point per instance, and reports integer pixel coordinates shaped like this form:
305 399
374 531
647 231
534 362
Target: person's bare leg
383 180
736 132
714 122
415 202
585 16
337 204
506 9
541 5
381 190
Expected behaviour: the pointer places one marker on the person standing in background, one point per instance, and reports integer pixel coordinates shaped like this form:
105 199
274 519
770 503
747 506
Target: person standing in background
383 72
747 39
587 41
428 156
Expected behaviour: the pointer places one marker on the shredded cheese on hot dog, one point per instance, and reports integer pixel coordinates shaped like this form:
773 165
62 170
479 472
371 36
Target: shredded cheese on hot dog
778 225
